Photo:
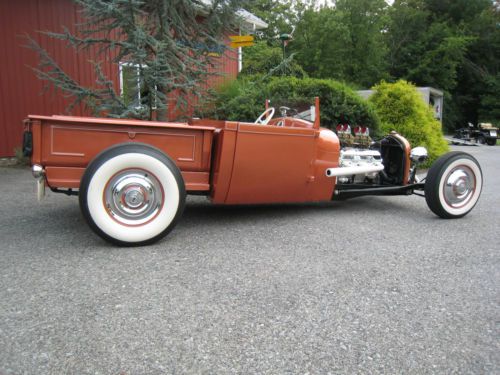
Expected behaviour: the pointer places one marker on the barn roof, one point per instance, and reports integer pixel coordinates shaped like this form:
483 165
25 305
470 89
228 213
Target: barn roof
249 20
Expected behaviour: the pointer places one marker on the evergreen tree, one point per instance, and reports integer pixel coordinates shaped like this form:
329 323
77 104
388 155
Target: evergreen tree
281 16
344 41
169 44
424 50
268 61
478 86
453 45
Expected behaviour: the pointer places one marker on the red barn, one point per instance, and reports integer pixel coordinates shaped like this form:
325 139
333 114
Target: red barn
22 93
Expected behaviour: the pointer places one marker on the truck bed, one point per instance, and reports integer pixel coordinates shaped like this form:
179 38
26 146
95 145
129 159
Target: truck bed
65 146
230 162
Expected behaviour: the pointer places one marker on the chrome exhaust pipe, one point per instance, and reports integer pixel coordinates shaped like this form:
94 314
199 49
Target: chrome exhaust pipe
349 171
37 171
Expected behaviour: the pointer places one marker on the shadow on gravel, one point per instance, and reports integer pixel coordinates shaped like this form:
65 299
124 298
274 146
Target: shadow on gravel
66 221
204 212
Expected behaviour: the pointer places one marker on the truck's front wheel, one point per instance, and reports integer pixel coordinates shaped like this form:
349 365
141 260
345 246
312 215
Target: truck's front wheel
132 194
453 185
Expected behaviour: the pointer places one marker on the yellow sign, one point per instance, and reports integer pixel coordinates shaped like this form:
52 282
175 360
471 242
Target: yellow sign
243 44
241 38
241 41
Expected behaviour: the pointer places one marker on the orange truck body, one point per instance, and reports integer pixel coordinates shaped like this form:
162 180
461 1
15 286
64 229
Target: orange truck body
132 177
230 162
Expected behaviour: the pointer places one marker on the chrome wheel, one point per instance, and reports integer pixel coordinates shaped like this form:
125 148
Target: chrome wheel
133 197
126 204
459 187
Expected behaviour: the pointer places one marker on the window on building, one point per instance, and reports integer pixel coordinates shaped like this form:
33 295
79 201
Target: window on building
132 87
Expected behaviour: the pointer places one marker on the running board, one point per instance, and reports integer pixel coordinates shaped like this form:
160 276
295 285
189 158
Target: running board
351 191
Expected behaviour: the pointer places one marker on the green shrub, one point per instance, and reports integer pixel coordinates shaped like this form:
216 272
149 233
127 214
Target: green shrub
244 99
239 100
400 107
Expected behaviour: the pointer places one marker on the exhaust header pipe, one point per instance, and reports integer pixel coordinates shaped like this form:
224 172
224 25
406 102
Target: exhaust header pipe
349 171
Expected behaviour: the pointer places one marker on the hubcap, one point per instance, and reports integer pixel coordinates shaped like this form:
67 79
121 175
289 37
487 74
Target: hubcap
133 197
459 187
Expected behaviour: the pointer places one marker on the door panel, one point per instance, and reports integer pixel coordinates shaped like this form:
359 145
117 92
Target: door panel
272 165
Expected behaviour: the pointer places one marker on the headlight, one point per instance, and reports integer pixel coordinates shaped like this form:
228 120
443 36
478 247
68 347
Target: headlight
418 154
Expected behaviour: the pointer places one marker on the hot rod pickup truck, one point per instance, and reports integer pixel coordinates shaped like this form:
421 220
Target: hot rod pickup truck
132 176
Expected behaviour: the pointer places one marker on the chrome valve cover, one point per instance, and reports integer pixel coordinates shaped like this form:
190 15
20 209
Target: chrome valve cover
355 157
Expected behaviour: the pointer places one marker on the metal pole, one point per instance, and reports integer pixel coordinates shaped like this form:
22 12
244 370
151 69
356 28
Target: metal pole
283 70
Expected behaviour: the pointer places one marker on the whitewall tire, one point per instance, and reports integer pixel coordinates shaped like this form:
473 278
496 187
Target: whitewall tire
132 194
453 185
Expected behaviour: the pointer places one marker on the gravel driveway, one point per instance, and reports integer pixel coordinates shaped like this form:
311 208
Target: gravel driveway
371 285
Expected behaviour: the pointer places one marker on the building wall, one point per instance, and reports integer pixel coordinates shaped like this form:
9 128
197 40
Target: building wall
431 96
21 92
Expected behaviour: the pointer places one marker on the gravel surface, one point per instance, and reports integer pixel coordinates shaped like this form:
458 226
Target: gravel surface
371 285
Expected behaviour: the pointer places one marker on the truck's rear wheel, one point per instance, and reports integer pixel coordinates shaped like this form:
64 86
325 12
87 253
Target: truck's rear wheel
453 185
132 194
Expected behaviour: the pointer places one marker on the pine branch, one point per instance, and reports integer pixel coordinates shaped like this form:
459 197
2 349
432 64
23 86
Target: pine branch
164 39
49 70
84 43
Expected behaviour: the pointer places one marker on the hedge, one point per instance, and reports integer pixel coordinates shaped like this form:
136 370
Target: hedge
244 98
400 107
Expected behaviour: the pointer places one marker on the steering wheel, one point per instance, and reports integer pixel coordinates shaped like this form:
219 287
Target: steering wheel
265 117
288 112
284 110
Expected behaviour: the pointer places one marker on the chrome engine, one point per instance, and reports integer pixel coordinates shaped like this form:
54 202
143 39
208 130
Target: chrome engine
366 163
356 157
